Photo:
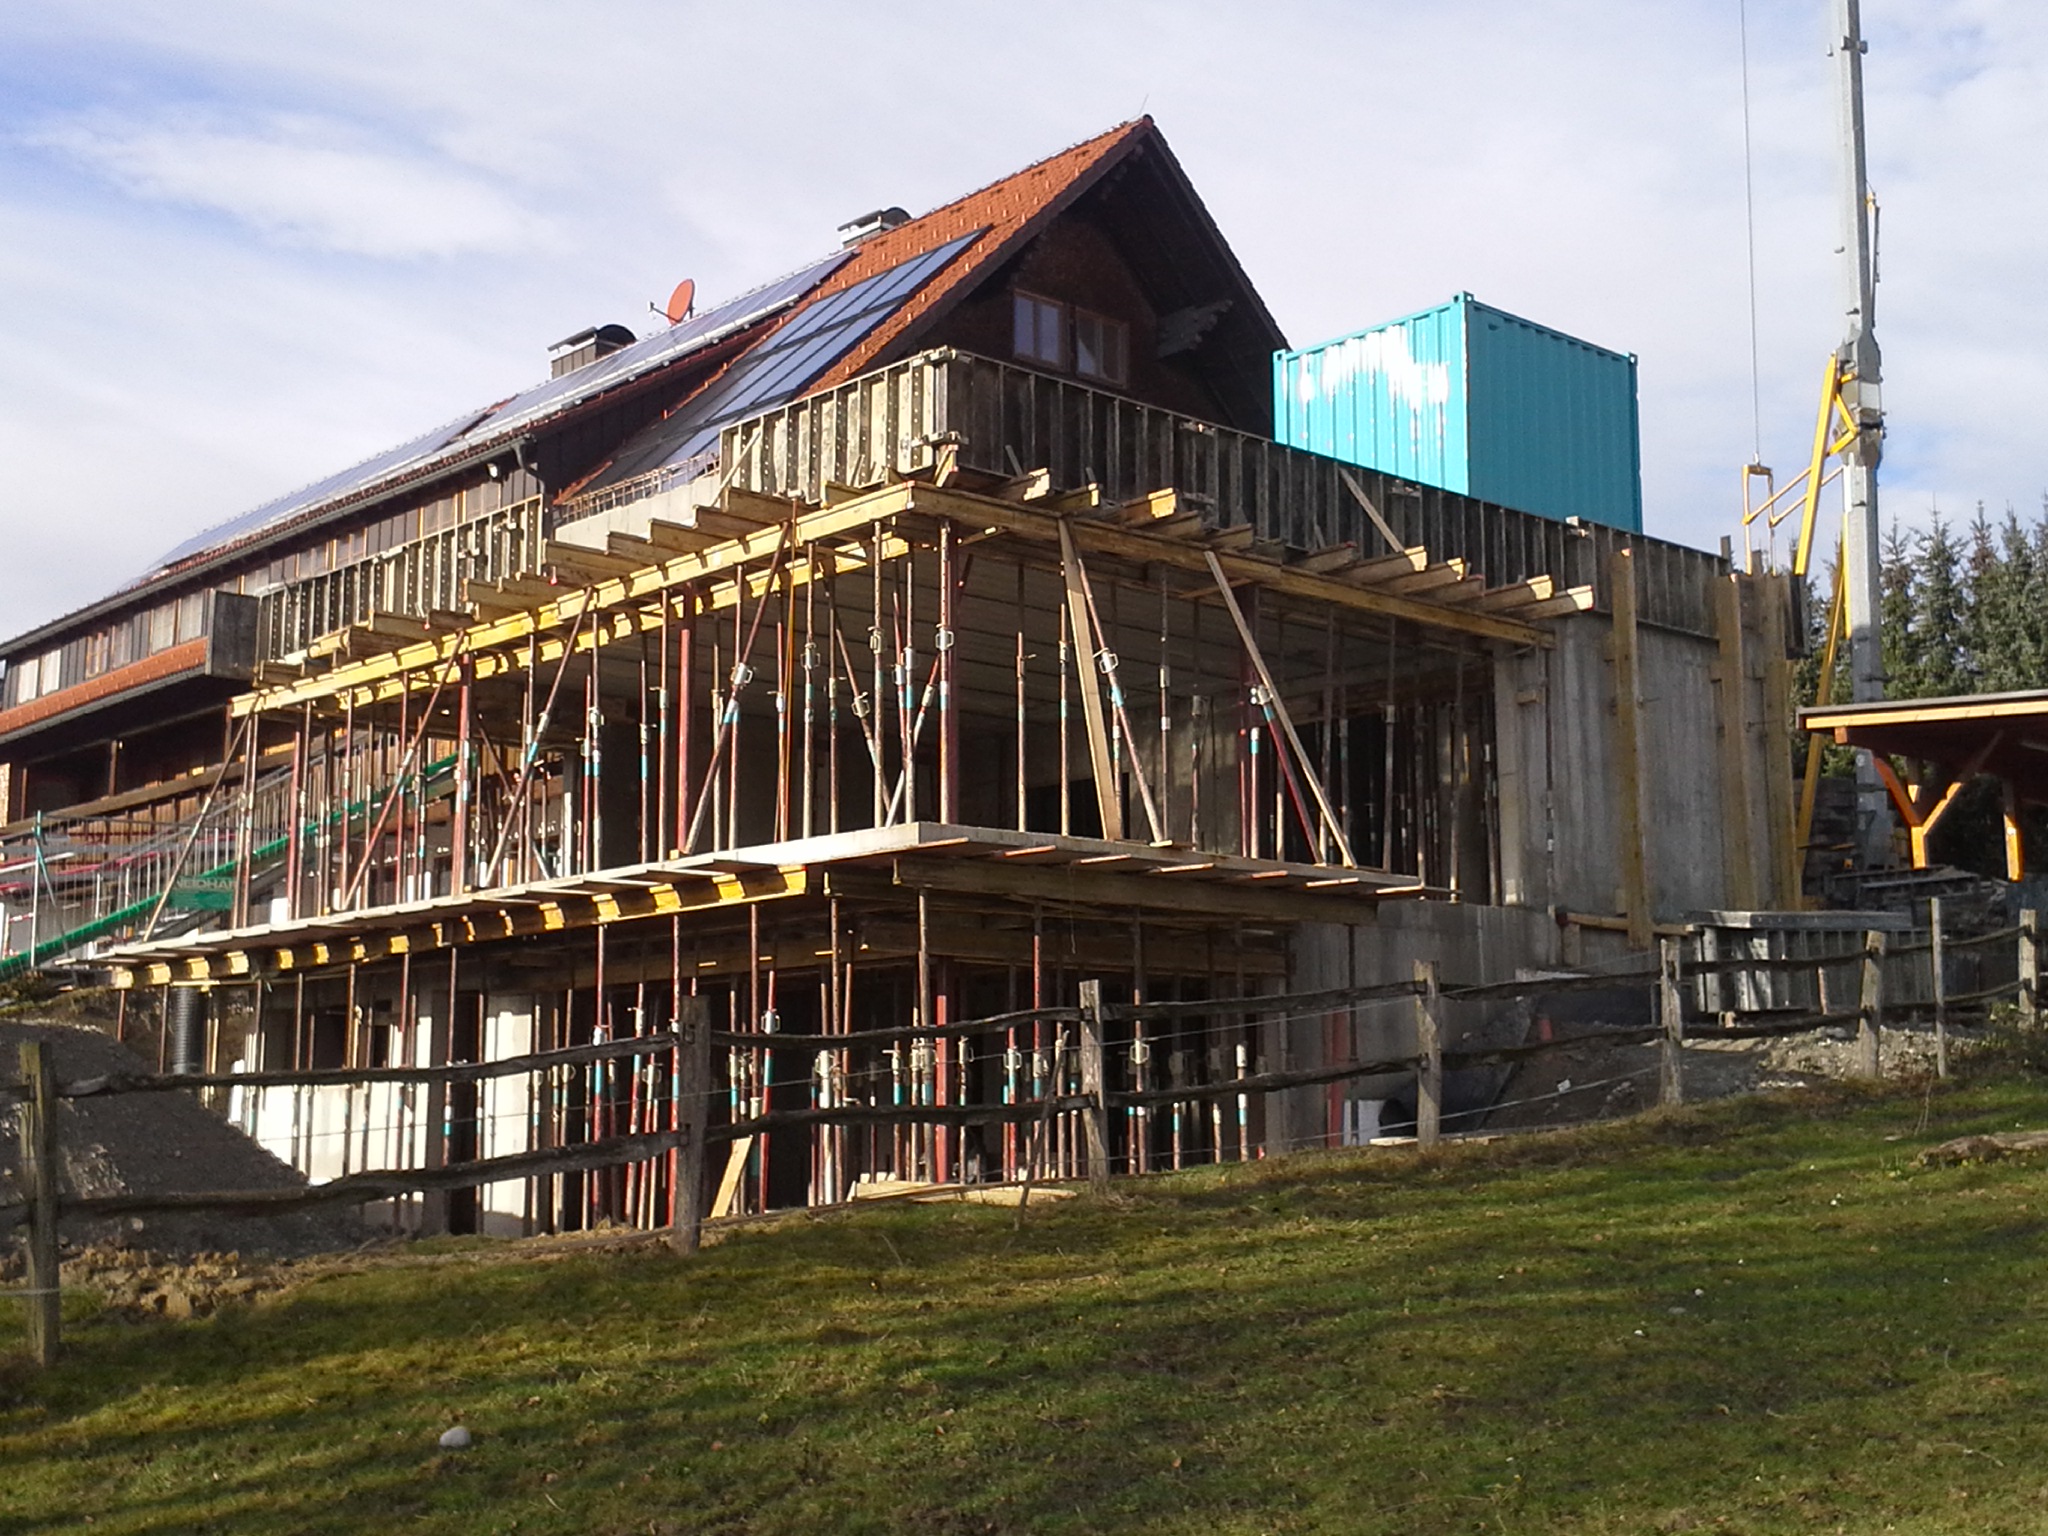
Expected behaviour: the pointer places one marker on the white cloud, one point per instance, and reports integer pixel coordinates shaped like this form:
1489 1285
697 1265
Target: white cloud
527 169
305 181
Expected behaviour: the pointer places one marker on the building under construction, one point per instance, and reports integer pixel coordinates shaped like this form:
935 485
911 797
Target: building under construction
902 642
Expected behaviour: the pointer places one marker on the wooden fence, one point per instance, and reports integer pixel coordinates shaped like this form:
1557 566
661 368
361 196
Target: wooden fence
1083 1030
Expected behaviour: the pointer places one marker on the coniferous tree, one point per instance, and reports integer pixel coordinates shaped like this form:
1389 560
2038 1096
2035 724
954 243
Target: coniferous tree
1941 663
1898 596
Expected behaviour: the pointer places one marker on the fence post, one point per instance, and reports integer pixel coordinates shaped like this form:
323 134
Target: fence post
2030 967
693 1119
1429 1044
1939 972
39 1179
1870 1010
1094 1086
1671 1014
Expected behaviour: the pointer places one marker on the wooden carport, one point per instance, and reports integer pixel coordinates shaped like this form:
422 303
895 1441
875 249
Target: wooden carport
1952 741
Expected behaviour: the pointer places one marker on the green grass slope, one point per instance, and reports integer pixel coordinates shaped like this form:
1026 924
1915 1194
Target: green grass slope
1759 1316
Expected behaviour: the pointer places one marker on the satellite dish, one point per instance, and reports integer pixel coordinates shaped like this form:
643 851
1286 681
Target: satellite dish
681 301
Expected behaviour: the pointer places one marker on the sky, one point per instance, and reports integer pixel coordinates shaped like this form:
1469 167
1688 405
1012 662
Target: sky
250 242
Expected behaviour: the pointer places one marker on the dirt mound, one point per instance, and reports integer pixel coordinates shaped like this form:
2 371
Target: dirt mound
157 1143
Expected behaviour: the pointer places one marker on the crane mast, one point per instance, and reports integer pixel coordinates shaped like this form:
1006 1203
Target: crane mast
1861 403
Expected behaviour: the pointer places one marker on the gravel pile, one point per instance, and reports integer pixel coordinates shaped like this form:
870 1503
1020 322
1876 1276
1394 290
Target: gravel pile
157 1143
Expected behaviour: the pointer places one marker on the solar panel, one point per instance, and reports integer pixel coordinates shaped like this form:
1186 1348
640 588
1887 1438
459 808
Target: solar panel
337 484
783 365
659 349
522 409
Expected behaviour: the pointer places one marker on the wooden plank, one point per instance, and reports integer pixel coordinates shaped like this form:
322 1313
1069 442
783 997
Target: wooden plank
675 539
1032 485
1372 512
630 546
1081 499
1094 1086
693 1115
1442 574
1738 833
1149 510
1330 559
38 1117
1627 756
1518 595
729 524
1429 1045
729 1183
1301 759
1148 892
1571 601
1108 793
586 565
1787 868
1380 567
750 508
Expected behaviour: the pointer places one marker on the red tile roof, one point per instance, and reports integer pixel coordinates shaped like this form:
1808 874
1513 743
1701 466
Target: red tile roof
1011 210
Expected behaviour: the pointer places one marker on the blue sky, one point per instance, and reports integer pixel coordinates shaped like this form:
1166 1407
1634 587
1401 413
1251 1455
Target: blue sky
249 243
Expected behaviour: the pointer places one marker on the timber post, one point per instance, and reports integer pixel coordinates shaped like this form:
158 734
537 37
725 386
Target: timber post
2030 967
1429 1045
1870 1008
1938 972
693 1120
39 1180
1094 1086
1671 1016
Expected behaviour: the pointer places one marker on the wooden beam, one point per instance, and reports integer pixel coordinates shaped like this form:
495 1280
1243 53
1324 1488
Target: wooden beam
1517 595
1307 769
1145 892
1787 871
1628 754
675 539
1108 793
1738 830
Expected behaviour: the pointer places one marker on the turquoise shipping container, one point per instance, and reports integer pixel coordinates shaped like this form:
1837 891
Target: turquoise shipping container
1475 400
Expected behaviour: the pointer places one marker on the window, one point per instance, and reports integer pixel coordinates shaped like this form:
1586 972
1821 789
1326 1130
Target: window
1041 327
1097 348
1100 347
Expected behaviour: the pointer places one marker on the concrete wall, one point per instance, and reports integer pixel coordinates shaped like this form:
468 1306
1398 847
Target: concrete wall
1469 943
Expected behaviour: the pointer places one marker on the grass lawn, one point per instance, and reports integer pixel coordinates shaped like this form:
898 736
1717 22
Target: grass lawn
1756 1316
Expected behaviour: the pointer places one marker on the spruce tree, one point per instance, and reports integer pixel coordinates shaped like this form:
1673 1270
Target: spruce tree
1940 648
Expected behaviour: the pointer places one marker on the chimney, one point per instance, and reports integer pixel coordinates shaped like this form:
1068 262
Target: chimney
586 347
869 225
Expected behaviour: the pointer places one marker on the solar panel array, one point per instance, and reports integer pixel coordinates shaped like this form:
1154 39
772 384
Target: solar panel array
785 364
532 405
